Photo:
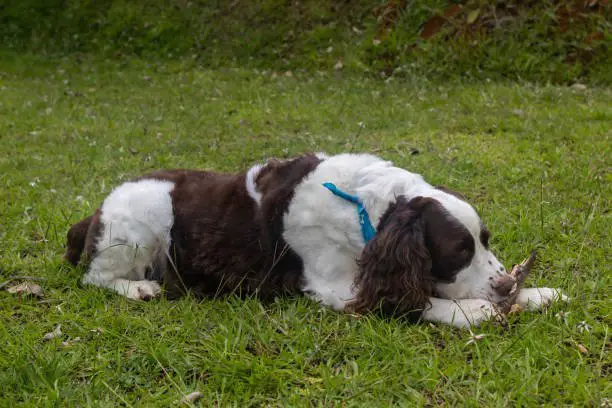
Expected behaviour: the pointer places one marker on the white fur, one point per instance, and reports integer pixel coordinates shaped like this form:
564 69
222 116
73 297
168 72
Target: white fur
324 230
537 298
251 184
459 313
136 221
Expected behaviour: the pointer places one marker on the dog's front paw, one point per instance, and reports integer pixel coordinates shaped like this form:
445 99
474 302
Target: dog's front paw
474 312
538 298
143 290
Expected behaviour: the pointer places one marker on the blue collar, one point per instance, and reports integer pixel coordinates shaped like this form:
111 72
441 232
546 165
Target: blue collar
367 230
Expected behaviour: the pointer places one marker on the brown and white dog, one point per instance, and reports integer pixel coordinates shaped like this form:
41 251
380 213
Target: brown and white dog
352 231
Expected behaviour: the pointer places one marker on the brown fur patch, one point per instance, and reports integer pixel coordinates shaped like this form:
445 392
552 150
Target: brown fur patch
222 242
76 240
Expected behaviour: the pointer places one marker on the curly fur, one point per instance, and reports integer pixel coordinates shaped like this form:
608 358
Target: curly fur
394 268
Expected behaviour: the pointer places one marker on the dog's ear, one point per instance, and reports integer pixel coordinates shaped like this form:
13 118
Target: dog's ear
76 238
394 268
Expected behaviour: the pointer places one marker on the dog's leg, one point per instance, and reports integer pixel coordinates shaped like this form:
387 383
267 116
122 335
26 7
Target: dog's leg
538 298
112 269
459 313
134 232
328 278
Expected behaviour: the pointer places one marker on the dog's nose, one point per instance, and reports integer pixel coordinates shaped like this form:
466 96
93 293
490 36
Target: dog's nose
503 286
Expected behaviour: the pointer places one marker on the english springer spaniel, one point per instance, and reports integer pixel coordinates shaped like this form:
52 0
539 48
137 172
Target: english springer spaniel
352 231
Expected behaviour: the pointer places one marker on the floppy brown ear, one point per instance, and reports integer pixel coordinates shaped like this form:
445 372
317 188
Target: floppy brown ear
76 239
395 265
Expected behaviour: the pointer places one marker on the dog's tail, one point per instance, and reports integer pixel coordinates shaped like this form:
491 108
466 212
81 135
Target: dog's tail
76 237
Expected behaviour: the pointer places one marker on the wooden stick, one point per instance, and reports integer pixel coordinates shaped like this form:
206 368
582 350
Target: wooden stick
519 272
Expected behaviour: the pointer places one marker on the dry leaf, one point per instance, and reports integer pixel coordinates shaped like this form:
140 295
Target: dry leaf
71 342
472 16
582 349
435 24
26 289
55 333
190 398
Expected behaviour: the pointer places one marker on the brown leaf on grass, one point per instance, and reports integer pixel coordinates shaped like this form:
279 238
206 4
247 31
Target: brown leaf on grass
26 289
434 24
593 37
388 13
582 349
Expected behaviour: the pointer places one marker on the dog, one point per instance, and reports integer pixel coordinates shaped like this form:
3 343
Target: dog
352 231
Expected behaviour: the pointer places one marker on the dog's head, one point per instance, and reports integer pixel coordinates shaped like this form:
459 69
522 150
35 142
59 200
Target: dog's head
434 244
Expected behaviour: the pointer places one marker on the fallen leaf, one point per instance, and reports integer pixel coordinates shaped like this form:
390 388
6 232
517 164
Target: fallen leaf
579 87
71 342
193 397
595 36
26 289
54 334
434 24
472 16
582 349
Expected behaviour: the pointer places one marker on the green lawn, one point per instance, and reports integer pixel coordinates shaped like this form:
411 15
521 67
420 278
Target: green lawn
535 160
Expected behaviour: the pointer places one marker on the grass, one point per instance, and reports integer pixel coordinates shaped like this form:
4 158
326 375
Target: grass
558 41
534 159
